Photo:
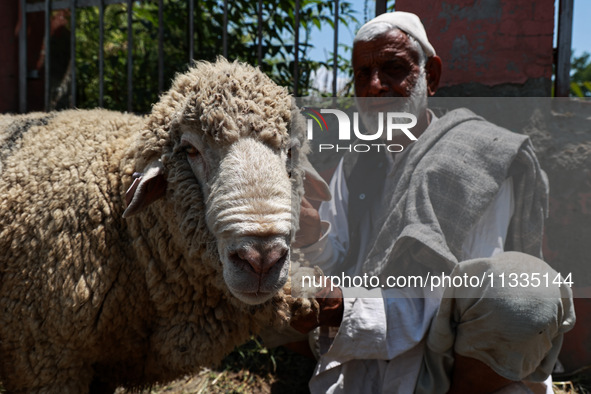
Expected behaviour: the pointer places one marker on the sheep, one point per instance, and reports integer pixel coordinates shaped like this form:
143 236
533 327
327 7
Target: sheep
135 250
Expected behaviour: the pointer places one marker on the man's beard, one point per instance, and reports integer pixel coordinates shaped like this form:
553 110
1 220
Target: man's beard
415 104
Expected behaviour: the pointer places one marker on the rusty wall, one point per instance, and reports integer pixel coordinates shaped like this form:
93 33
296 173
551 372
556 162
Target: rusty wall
490 47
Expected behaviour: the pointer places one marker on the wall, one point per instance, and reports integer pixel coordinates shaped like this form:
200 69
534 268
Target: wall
490 47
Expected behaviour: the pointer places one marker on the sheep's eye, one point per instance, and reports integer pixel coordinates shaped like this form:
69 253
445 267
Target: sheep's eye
191 151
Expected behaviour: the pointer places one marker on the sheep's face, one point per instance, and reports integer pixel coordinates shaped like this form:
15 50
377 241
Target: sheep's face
218 148
248 196
249 190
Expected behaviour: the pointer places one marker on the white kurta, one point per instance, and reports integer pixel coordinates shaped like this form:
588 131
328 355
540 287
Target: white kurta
379 346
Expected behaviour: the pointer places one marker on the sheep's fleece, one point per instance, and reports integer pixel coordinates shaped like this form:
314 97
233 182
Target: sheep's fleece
93 294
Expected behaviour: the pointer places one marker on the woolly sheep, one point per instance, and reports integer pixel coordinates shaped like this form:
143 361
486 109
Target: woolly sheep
90 300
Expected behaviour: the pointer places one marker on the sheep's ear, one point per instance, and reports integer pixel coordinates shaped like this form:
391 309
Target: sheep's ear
315 188
145 189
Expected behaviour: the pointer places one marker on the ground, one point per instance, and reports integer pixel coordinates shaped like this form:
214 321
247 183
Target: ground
251 368
254 369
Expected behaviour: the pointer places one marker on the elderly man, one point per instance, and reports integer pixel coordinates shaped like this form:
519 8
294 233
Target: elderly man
450 203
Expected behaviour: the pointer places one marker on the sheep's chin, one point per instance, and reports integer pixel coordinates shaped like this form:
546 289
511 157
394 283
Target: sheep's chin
253 298
252 288
260 296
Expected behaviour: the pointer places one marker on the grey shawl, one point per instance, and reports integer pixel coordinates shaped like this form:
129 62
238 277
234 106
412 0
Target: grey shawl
445 184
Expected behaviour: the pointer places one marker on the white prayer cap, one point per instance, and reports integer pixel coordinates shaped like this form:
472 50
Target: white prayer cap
405 21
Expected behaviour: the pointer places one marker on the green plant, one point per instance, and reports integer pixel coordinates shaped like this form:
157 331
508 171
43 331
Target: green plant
277 47
580 85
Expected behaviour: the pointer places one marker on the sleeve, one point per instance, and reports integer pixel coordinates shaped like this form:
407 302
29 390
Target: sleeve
382 324
334 242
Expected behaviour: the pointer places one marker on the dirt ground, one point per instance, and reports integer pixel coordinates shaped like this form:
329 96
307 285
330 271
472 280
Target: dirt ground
254 369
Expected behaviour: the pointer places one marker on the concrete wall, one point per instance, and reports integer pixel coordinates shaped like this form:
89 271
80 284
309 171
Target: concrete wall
490 47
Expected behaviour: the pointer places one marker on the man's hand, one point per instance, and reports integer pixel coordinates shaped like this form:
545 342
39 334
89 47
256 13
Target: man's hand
330 312
309 232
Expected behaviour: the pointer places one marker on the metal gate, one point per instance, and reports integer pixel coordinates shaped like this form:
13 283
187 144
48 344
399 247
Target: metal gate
49 5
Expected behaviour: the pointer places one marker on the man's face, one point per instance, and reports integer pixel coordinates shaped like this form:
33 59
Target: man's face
387 66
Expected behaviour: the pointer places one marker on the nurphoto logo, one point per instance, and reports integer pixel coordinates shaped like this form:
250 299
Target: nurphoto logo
395 124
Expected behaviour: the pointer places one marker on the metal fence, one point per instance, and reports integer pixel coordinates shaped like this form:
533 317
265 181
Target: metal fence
47 6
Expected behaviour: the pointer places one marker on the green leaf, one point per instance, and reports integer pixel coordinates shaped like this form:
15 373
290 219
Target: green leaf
278 48
576 89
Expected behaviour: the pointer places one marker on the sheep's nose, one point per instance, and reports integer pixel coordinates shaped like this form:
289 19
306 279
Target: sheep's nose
261 261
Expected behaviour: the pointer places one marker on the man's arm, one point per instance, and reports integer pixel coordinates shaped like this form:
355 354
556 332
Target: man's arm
328 224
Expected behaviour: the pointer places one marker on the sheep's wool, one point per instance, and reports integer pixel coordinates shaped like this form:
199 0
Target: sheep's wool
87 296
